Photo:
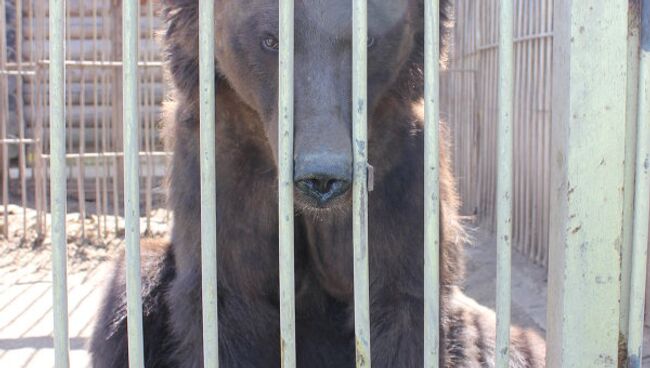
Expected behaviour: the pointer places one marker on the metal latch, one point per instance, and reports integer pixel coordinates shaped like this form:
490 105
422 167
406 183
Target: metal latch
371 178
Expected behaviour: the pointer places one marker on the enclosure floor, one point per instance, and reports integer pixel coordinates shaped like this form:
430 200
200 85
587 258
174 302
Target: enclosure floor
26 315
26 302
528 286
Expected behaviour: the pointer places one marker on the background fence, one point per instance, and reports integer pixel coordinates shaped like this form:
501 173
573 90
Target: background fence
469 104
93 113
94 135
472 112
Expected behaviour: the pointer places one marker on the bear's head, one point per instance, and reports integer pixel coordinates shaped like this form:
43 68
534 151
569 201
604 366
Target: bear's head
247 60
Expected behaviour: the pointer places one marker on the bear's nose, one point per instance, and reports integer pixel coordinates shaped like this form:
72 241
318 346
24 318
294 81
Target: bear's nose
323 188
323 177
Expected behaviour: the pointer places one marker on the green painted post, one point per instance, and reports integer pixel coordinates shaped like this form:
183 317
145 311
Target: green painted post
587 177
641 199
431 184
130 35
58 182
285 187
360 181
633 48
504 182
208 185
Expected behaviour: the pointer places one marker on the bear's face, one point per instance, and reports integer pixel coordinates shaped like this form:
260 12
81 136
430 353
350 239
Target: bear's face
247 55
247 58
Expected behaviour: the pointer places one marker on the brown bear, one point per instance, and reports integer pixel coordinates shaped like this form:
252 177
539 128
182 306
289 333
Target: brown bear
247 212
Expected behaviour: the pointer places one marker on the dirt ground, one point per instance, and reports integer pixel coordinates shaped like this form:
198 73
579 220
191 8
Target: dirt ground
26 293
90 243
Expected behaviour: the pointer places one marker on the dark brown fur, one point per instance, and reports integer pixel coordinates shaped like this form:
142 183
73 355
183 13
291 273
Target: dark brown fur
248 233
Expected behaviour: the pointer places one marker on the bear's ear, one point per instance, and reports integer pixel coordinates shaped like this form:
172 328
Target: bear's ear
181 45
177 3
446 26
410 82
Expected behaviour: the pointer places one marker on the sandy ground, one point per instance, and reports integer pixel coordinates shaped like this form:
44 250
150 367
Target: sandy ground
26 287
26 293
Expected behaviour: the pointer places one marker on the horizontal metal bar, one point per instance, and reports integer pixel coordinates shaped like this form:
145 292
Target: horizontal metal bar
97 155
81 63
28 73
473 71
538 36
107 64
19 141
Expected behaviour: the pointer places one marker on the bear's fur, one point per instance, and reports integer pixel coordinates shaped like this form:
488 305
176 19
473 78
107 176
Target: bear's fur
247 212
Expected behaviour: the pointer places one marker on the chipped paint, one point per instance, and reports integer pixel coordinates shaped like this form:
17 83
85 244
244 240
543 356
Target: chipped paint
285 192
588 137
360 182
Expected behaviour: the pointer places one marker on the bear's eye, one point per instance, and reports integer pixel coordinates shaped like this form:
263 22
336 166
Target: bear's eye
270 43
371 42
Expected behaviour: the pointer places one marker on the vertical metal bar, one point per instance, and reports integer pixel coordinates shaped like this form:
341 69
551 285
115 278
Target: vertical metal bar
58 182
20 116
360 182
633 57
104 56
208 185
431 184
587 177
4 121
641 199
81 188
95 107
150 102
285 189
36 126
504 182
42 82
548 48
130 40
68 91
519 112
115 134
